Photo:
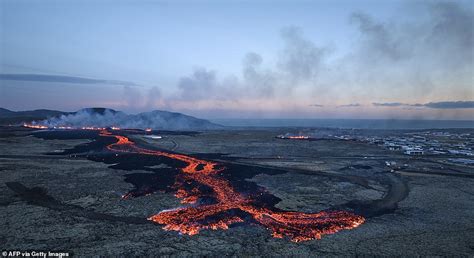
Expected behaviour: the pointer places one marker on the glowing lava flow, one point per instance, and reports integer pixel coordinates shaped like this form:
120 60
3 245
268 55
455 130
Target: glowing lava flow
299 137
35 126
230 204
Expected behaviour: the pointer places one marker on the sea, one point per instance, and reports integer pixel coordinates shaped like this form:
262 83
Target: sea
389 124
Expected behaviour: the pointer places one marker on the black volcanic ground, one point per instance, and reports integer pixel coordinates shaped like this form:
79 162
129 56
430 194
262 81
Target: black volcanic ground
71 200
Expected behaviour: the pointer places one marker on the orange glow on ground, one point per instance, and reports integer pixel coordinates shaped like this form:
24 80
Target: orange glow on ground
297 226
35 126
298 137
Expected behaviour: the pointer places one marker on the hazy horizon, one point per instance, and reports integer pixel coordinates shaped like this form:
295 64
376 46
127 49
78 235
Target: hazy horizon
241 59
275 120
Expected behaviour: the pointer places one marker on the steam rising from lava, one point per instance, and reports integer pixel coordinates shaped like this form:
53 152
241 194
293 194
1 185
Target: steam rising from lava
102 118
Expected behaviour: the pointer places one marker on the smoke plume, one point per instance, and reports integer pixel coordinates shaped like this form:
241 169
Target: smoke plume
99 117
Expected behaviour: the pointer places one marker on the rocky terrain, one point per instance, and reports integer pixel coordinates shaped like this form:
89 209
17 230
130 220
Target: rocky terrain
70 203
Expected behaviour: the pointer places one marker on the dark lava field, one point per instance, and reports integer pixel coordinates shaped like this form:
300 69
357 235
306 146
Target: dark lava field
227 192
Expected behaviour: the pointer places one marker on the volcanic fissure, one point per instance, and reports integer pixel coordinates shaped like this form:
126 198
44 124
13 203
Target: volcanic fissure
230 206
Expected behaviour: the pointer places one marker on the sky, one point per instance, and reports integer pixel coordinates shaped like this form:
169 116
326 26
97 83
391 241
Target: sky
241 59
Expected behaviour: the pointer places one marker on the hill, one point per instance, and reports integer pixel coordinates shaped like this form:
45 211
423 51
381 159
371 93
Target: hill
105 117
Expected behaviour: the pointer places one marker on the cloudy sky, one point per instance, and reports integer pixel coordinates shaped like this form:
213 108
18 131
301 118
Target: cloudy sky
241 59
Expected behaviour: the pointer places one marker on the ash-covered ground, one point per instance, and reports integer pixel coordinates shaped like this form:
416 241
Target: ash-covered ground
414 205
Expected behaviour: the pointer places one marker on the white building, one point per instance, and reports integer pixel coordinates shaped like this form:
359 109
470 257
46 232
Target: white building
414 151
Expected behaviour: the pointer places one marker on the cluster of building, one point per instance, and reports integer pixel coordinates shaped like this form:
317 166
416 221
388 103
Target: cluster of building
458 145
427 142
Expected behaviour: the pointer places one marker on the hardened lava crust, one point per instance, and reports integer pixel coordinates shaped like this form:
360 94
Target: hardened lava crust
104 191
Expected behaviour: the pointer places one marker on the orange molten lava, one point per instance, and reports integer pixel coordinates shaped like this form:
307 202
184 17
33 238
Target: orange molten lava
190 220
93 128
299 137
35 126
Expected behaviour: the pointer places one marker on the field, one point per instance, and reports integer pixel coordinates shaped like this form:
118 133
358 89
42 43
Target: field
73 201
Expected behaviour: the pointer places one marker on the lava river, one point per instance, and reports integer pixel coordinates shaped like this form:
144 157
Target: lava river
230 206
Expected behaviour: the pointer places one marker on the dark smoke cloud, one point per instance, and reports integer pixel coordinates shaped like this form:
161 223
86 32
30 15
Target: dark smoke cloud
388 104
450 104
301 59
350 105
204 84
260 82
198 85
416 54
154 97
452 30
447 33
316 105
60 78
410 58
436 105
136 98
299 62
378 39
133 97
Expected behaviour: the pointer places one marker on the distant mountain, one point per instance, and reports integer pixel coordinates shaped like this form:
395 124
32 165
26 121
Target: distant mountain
13 117
105 117
40 113
169 121
5 112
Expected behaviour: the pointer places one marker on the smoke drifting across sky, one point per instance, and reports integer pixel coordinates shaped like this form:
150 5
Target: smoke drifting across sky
420 53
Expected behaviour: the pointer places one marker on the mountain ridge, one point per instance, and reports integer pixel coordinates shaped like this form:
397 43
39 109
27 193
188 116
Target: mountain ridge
106 117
